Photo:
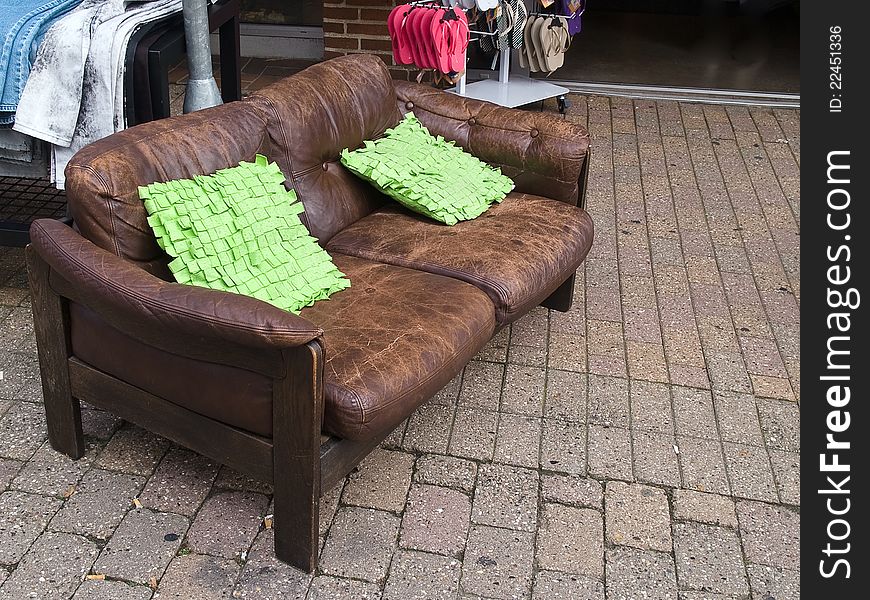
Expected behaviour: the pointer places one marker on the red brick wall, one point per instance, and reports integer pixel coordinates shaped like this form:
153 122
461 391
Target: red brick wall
351 26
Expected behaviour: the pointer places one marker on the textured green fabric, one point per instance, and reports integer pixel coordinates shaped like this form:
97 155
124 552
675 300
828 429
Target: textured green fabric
239 231
428 174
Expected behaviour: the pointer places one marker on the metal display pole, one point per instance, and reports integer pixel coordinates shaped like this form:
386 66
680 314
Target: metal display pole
202 90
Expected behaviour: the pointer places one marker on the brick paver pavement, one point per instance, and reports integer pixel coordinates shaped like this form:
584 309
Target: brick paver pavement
645 444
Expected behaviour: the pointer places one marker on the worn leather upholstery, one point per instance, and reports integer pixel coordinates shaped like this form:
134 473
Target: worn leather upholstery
150 309
316 114
102 180
518 252
226 393
543 154
392 339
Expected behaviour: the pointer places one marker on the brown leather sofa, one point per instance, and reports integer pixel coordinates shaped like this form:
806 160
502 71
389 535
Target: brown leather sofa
299 400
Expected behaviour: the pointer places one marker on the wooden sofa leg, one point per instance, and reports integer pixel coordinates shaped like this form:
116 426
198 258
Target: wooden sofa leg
297 417
63 413
563 297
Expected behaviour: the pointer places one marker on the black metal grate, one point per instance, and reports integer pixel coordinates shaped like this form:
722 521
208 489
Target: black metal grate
23 200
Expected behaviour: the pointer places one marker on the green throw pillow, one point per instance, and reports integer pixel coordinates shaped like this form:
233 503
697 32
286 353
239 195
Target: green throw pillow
428 174
239 231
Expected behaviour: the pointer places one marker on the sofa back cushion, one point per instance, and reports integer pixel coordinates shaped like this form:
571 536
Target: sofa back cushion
102 179
312 117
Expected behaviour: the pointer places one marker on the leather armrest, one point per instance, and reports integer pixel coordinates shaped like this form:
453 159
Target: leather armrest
544 154
147 307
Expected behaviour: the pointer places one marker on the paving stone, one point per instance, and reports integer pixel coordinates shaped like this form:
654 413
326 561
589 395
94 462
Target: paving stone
705 508
694 413
429 429
381 481
394 440
530 356
99 424
18 330
446 471
571 490
197 577
703 465
633 573
727 372
637 515
133 450
328 507
421 576
111 590
264 577
749 472
52 568
498 563
360 544
608 401
518 441
738 418
142 546
552 585
781 424
436 520
567 352
496 349
506 497
98 504
706 596
8 470
473 434
689 376
571 540
655 460
773 387
787 474
51 473
709 559
651 407
531 329
481 385
563 446
771 535
22 430
227 524
23 516
180 483
774 583
523 391
231 479
449 394
566 396
610 453
324 587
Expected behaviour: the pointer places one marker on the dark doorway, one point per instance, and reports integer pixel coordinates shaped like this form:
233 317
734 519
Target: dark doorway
747 45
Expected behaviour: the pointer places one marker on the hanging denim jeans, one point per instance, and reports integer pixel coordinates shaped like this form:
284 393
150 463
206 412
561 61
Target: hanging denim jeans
22 25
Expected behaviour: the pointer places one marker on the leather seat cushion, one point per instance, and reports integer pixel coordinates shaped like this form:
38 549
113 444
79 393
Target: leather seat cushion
392 340
518 252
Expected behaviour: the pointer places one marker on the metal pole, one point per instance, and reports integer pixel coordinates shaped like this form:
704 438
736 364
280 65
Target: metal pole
202 90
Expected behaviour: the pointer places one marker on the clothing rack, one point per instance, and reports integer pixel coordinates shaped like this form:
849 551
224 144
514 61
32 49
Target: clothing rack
511 89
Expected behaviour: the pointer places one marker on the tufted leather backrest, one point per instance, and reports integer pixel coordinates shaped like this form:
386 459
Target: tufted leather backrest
542 153
312 116
102 179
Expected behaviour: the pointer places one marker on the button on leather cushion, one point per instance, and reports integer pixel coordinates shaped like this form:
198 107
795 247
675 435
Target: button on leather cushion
392 340
518 252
